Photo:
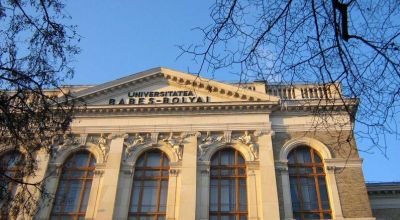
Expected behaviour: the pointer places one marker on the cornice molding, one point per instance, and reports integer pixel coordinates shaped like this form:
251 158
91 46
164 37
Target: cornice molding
316 105
142 128
204 108
343 163
310 127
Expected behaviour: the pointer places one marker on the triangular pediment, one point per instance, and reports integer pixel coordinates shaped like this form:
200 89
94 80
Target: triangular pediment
166 86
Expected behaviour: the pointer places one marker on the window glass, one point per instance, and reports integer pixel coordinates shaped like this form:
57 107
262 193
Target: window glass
150 187
228 193
307 185
74 186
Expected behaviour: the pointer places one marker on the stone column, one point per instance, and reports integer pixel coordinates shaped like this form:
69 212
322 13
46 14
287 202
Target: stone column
42 158
187 205
252 188
268 191
51 184
172 190
333 192
94 192
108 191
124 192
287 198
203 190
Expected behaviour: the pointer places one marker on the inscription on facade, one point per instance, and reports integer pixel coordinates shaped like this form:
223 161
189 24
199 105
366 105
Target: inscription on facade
163 97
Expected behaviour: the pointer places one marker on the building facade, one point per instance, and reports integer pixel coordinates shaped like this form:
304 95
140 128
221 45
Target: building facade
385 200
163 144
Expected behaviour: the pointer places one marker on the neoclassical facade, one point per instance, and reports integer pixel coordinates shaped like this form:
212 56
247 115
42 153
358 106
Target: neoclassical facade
163 144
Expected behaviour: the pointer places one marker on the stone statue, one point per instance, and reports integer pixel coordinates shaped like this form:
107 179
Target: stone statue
102 143
175 143
247 139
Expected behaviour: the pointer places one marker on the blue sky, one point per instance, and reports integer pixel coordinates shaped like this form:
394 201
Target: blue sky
124 37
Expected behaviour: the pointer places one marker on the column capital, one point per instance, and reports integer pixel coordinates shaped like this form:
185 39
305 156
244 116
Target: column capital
99 173
174 172
267 131
282 166
330 169
253 165
118 135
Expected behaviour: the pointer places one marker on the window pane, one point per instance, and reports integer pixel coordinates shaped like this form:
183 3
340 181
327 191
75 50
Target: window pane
72 198
153 159
213 217
135 196
74 186
85 198
243 195
307 184
163 196
324 193
214 195
150 186
228 196
149 196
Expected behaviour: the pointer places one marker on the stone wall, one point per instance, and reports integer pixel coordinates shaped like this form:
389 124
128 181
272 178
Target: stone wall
385 200
386 214
353 193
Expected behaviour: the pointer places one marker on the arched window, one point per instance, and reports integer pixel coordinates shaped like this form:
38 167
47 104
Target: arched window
228 194
307 185
150 187
11 172
74 187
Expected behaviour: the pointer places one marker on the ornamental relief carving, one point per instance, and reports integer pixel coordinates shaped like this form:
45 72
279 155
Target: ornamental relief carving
137 140
71 141
210 139
248 140
207 141
175 141
67 141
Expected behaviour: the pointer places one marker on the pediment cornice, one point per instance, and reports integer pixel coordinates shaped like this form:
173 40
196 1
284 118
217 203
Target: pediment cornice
180 79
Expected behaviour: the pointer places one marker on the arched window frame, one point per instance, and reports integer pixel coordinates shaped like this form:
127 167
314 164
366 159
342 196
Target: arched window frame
128 170
140 177
313 172
326 155
239 176
88 177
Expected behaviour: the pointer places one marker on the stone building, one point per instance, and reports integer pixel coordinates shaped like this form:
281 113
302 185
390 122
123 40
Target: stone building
385 200
163 144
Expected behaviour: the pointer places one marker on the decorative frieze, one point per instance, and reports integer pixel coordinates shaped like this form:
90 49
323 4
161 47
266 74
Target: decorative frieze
132 142
207 141
176 143
68 141
211 139
102 142
248 140
72 140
